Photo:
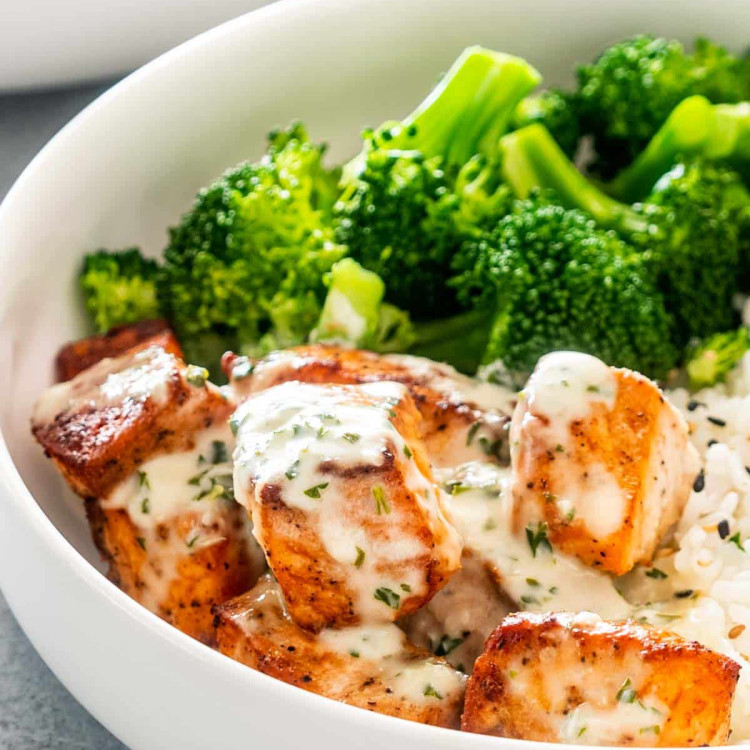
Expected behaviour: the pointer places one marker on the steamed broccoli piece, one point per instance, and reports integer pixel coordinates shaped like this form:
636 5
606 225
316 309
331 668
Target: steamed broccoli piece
557 111
629 90
119 287
400 212
354 312
713 359
246 263
688 227
551 280
694 128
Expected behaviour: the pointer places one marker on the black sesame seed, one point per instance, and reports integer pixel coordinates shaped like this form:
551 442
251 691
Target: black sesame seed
693 405
712 442
700 482
718 422
723 529
684 594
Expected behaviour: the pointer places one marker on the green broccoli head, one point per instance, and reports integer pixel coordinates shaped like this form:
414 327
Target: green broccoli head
246 263
712 360
119 287
402 212
557 110
628 92
396 218
694 217
689 228
553 280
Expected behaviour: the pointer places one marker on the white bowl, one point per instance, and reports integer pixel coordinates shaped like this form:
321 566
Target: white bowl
118 175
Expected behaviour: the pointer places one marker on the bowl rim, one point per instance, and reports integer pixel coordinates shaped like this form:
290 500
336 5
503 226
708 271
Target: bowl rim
14 490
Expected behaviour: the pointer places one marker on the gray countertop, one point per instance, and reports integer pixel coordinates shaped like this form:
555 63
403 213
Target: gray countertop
36 711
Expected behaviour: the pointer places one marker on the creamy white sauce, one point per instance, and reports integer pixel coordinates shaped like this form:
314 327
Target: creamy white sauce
197 481
562 390
459 388
480 507
188 495
610 724
418 680
139 376
287 436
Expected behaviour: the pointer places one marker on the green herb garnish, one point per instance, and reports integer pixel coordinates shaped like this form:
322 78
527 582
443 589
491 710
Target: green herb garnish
381 502
293 470
391 598
196 376
314 492
538 538
432 693
360 557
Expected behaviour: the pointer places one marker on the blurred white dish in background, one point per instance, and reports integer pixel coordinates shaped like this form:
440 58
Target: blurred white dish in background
53 42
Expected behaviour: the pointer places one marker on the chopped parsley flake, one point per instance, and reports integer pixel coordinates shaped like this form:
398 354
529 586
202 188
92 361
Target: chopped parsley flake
656 729
447 644
360 557
592 388
354 653
143 480
196 376
538 538
145 505
314 492
219 453
141 542
735 539
532 581
381 501
656 574
293 470
529 599
407 451
388 597
191 542
559 448
626 694
432 693
405 587
352 437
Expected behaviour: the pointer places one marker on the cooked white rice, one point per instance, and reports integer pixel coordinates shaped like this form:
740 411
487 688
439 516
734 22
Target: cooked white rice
706 592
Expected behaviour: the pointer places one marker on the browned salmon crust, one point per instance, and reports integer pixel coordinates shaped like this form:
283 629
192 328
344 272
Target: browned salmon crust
255 630
78 356
537 669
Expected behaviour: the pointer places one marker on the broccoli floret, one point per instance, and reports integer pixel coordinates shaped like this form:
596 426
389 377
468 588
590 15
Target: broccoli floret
688 227
557 111
119 287
354 312
552 280
628 92
400 198
246 263
712 360
694 128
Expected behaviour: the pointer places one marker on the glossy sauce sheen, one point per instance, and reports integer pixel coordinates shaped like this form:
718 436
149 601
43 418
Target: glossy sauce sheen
309 445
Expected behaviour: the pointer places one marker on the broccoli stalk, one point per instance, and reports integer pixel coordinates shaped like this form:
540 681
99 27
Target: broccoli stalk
688 227
119 287
464 115
695 127
354 313
406 197
712 360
